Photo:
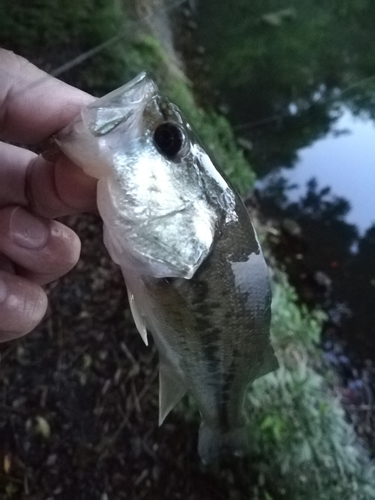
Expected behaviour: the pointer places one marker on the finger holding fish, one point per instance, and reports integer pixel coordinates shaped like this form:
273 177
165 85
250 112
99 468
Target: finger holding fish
34 249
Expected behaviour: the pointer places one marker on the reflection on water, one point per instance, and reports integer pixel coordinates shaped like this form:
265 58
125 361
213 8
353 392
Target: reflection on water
326 210
295 76
345 160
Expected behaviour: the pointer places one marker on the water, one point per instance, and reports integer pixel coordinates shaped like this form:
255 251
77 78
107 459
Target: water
343 160
329 252
298 81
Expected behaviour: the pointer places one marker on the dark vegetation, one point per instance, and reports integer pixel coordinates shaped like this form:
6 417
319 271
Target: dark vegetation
284 68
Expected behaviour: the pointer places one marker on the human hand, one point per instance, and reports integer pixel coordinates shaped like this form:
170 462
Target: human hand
34 249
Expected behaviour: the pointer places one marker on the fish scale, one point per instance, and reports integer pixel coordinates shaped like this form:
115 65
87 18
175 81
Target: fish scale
194 269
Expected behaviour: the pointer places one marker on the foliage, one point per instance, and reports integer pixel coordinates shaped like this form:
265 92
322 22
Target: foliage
284 66
58 31
292 325
68 29
302 444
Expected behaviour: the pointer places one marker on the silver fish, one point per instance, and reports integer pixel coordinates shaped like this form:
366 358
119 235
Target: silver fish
192 263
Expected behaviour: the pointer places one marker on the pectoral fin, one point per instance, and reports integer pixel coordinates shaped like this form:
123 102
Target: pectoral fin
171 390
139 319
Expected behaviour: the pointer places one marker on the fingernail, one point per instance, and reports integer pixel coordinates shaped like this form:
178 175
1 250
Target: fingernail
3 290
28 231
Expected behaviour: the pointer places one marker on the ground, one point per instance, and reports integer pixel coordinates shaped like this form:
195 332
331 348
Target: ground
79 401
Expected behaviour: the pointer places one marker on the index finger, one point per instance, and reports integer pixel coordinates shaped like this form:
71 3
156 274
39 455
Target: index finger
33 104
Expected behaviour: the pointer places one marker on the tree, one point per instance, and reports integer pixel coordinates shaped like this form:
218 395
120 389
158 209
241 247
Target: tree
285 67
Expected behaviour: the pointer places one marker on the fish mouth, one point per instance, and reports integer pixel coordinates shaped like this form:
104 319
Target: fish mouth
138 91
141 88
120 109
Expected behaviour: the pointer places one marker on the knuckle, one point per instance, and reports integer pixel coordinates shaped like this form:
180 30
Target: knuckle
22 305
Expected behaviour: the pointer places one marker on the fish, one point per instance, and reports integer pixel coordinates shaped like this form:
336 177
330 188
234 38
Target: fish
195 273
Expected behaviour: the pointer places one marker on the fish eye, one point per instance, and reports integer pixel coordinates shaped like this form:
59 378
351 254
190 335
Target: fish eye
169 139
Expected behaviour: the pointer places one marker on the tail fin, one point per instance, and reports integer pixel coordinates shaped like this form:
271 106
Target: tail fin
214 444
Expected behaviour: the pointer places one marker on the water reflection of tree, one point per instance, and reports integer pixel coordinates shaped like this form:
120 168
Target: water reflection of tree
327 243
359 287
284 66
321 216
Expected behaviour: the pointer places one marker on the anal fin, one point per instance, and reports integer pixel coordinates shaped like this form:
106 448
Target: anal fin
171 390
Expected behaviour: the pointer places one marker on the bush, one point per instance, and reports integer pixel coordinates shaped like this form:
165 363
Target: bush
303 446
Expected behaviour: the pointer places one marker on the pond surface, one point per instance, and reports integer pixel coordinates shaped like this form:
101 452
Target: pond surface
297 80
330 250
345 161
